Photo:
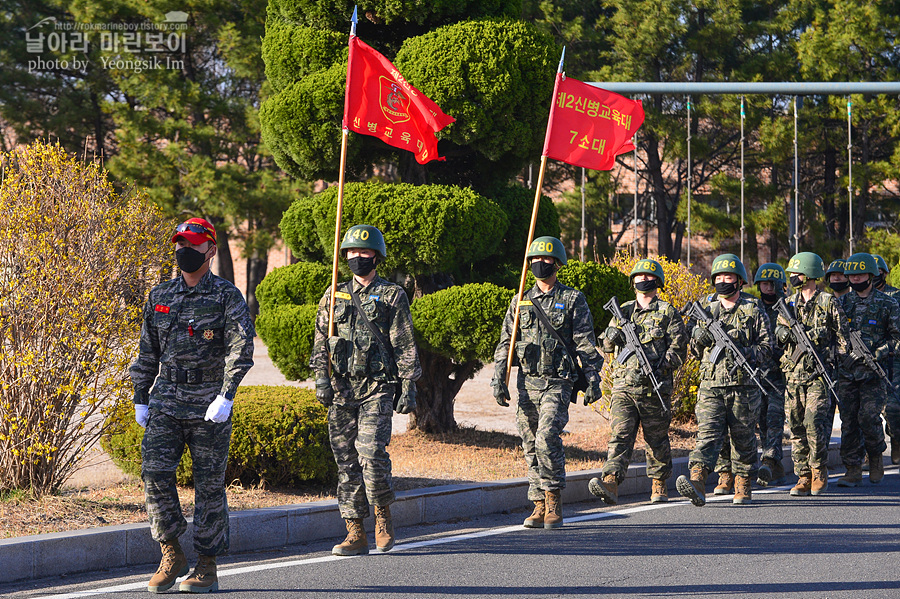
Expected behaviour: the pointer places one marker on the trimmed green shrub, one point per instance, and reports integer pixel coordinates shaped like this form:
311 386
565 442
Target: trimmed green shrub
288 334
293 285
461 323
279 438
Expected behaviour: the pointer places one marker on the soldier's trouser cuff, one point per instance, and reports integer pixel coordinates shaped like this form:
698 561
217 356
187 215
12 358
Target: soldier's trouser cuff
163 507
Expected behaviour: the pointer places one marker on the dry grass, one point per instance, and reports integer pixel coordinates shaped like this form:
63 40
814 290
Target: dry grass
468 455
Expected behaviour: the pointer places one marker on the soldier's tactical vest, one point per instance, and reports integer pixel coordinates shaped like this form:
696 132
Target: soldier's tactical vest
740 325
354 350
539 354
814 321
652 327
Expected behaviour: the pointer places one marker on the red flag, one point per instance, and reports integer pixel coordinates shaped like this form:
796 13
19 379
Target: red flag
589 126
380 102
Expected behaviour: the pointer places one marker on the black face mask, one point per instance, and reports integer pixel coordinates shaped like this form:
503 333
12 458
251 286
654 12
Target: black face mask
878 282
189 259
769 298
645 286
839 286
796 281
543 270
361 266
726 289
857 287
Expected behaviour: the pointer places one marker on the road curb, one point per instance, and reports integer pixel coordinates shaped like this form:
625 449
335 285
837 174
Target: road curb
98 549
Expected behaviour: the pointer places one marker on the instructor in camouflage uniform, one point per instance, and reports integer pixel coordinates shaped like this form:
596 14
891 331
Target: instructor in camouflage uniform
197 344
727 401
877 317
373 369
634 403
547 374
808 400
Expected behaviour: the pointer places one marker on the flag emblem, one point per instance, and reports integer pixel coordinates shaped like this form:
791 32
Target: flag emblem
394 103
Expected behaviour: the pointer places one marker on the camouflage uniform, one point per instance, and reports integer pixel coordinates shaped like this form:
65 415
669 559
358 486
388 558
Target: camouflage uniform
862 393
728 403
199 340
808 400
892 401
365 382
546 377
633 402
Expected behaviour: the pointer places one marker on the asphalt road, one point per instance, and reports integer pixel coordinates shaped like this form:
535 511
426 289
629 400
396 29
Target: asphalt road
845 543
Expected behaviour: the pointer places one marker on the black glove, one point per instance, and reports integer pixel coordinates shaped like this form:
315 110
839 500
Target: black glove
407 401
593 392
702 336
615 335
783 335
501 392
324 391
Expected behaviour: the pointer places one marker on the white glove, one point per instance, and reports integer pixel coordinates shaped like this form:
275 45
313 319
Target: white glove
219 409
142 414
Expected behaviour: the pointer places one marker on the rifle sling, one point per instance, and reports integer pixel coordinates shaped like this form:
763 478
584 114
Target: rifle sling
542 316
372 328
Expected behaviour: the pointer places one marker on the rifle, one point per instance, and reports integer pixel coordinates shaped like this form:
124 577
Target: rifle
805 346
859 347
723 342
633 347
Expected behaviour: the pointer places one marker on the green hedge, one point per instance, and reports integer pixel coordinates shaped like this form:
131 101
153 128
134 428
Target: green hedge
279 438
288 334
293 285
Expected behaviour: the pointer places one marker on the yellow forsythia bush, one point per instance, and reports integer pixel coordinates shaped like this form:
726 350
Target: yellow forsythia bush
77 259
682 287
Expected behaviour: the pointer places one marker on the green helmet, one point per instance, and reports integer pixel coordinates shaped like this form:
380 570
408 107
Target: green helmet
882 263
364 237
770 272
649 267
547 246
861 263
835 266
729 263
807 263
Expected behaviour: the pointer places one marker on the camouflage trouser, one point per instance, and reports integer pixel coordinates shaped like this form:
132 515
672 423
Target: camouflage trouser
892 414
810 419
627 410
542 415
161 449
724 410
360 430
771 429
861 417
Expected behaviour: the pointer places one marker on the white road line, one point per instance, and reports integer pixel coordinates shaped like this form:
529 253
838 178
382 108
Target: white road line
136 586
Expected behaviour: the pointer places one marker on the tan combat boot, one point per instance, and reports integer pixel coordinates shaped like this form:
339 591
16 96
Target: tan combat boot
742 491
895 450
606 489
819 480
384 528
852 478
658 492
172 565
876 468
203 579
536 519
553 518
695 488
726 484
356 542
803 486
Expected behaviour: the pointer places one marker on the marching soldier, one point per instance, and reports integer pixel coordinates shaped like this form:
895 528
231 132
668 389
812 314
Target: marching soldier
548 370
892 407
197 345
836 280
863 391
808 400
880 282
634 402
771 281
374 365
727 400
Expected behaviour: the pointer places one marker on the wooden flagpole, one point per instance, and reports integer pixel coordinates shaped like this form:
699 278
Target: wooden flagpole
531 226
340 204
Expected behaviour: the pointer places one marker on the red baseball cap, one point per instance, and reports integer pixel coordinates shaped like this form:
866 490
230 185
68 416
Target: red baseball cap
196 231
